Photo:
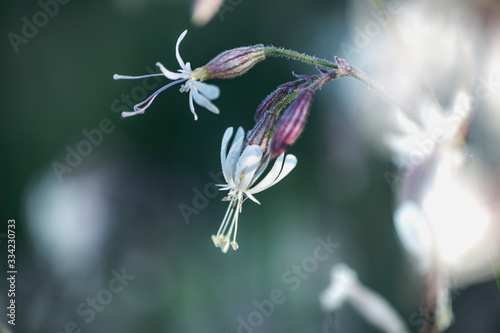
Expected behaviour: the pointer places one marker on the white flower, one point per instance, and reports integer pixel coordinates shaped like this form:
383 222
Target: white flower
202 93
241 170
444 221
345 286
414 143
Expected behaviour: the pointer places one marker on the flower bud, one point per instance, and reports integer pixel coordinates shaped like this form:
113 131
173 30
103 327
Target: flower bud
277 96
230 64
262 133
292 123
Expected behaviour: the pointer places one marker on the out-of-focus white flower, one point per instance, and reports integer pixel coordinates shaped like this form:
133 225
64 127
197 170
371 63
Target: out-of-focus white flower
443 221
345 287
204 10
424 55
414 143
241 170
202 93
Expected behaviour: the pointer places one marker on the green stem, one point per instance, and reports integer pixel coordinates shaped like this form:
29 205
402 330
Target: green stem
345 69
289 54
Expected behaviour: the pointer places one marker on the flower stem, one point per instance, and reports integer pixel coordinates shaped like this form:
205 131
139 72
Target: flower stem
289 54
358 74
343 69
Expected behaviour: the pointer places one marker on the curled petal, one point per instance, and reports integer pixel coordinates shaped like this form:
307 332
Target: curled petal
276 174
177 54
169 74
225 141
234 153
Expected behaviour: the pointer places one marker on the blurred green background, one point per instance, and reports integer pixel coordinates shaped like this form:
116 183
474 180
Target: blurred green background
119 208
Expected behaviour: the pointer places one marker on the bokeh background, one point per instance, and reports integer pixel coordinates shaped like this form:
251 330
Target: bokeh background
119 207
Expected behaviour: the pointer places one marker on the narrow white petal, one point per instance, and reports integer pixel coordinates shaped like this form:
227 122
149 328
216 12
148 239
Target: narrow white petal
203 101
232 157
210 91
177 54
191 107
251 197
247 166
270 177
223 150
290 163
171 75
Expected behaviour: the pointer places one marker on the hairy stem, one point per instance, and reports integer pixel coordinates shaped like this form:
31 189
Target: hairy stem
289 54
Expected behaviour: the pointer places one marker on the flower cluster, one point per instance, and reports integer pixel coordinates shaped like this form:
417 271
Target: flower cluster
442 219
279 121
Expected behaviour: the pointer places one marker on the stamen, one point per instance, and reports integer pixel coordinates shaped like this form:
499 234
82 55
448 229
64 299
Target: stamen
224 220
230 217
149 100
128 77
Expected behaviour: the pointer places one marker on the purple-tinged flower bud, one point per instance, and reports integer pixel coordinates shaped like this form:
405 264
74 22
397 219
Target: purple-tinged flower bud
262 133
230 64
292 123
276 97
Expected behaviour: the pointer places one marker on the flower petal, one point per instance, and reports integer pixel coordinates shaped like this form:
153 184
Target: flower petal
290 163
171 75
177 54
225 141
203 101
276 174
247 166
270 177
260 171
233 155
414 233
251 197
209 91
191 107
